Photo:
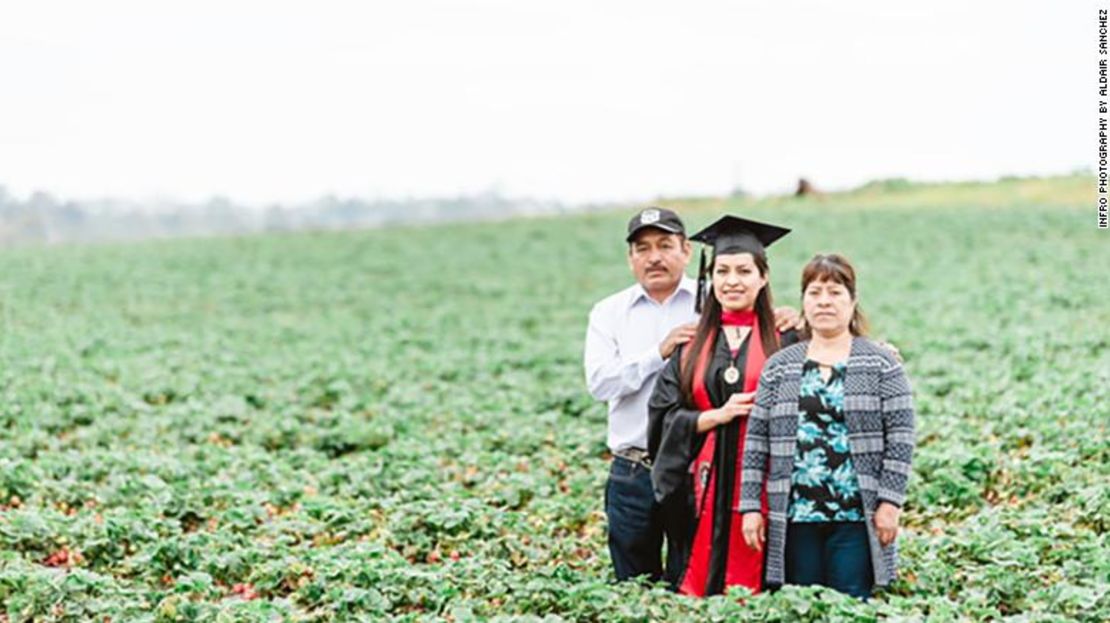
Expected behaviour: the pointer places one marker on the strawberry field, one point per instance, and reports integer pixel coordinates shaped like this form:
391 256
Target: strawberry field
393 424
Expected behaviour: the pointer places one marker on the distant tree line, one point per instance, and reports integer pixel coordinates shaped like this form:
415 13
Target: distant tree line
43 218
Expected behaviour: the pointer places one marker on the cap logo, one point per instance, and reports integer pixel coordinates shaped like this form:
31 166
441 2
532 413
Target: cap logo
649 217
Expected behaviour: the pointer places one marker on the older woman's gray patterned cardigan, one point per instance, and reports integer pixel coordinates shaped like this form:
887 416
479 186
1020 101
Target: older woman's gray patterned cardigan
878 410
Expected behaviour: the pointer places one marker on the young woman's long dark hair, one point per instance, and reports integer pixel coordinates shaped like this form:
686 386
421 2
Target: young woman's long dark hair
711 320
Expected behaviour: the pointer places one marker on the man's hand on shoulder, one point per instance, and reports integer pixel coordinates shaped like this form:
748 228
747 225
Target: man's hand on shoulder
893 350
678 335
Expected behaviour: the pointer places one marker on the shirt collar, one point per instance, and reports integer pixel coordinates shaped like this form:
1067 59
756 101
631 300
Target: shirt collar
686 285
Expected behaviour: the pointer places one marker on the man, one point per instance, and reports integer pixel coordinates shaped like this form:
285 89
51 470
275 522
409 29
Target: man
630 336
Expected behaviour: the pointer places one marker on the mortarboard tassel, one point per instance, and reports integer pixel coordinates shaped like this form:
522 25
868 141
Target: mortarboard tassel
701 283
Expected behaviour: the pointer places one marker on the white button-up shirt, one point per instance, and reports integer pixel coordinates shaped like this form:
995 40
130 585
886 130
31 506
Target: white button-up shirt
622 354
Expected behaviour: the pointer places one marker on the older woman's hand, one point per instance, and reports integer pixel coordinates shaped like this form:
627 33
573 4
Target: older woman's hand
886 523
755 532
787 318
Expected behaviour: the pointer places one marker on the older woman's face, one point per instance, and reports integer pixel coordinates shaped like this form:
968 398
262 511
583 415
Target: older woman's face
828 307
737 281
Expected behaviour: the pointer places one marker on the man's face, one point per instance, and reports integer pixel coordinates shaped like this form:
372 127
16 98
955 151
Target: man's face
658 259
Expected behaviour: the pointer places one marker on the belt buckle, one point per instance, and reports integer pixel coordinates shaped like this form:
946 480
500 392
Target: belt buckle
637 456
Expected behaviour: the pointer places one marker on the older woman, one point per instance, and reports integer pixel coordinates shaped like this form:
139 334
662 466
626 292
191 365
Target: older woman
830 437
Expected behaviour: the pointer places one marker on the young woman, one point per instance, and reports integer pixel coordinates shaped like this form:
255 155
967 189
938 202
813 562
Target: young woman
830 440
698 410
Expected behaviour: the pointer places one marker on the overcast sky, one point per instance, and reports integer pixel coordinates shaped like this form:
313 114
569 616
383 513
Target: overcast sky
576 100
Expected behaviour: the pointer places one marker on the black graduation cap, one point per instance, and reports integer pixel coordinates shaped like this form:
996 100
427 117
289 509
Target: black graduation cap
732 234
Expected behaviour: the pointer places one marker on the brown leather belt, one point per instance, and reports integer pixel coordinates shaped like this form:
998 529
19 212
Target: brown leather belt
636 455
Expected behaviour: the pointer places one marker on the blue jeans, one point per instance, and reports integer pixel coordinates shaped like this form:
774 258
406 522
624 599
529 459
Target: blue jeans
636 525
827 553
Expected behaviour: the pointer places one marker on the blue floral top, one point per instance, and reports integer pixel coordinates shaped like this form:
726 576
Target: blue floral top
824 484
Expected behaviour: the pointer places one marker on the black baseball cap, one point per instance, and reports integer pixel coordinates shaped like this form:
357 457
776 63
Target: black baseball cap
658 218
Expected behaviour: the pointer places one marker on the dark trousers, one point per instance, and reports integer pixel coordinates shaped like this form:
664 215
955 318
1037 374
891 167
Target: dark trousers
636 525
833 554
